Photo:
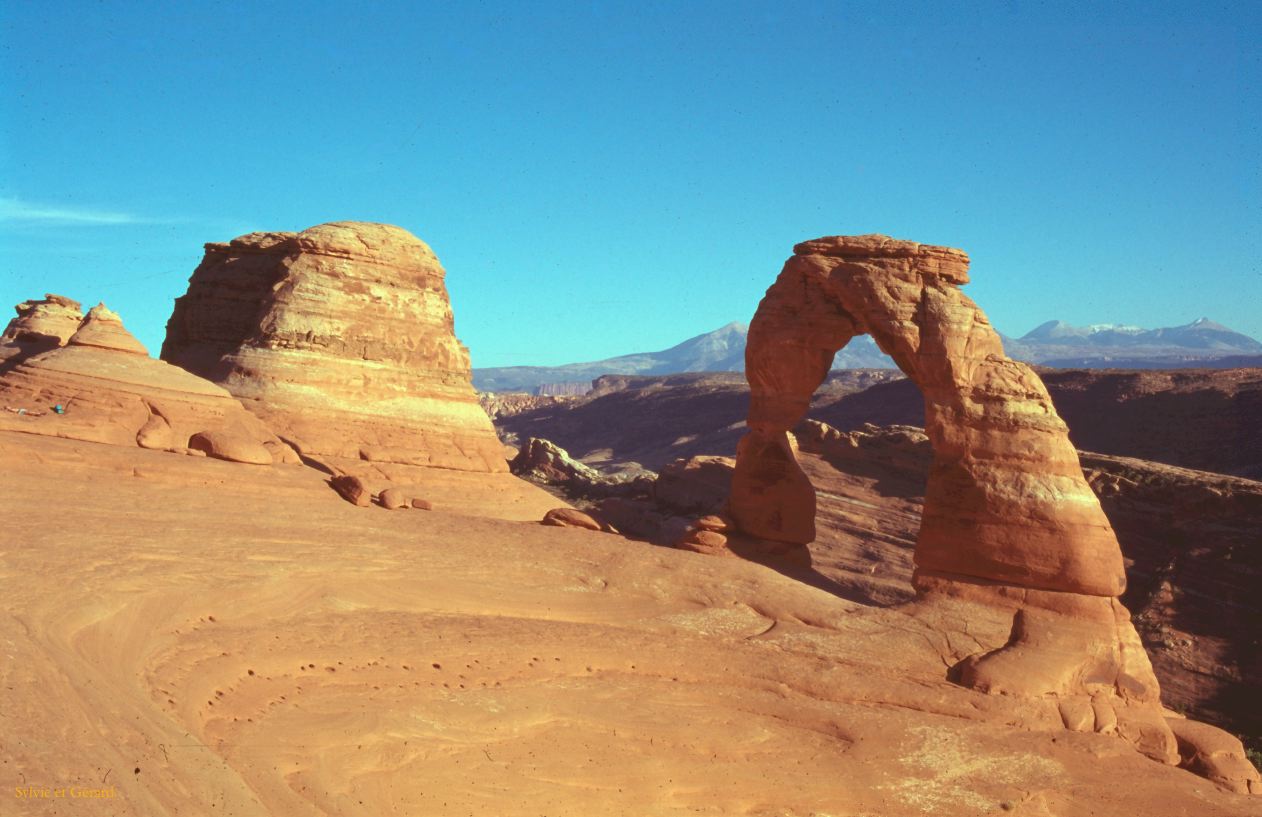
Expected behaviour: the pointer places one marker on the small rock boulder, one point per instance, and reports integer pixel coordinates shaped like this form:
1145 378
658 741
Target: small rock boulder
422 504
352 489
702 541
714 522
393 499
230 446
570 518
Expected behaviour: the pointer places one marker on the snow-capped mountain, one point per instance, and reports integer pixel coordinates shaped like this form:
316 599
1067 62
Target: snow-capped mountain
1054 343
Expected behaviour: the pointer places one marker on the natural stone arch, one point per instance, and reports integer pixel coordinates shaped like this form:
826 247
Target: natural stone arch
1018 571
1006 499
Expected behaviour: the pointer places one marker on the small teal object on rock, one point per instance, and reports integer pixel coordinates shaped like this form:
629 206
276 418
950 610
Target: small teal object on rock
59 409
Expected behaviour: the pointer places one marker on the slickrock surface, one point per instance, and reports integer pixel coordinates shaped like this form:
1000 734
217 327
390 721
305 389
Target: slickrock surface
254 645
1016 563
40 325
113 392
341 338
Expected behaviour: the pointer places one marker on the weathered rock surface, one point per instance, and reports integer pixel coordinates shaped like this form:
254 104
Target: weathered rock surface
41 325
1016 563
340 337
112 392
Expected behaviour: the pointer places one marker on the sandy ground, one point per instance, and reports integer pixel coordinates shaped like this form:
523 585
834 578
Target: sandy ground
187 636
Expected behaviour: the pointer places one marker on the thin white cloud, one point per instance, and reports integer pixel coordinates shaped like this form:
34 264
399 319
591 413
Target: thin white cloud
18 211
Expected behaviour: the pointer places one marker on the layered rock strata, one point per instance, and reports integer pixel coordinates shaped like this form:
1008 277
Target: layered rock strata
110 391
341 338
41 325
1016 563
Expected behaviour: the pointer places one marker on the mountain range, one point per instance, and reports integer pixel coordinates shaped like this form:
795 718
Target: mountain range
1055 343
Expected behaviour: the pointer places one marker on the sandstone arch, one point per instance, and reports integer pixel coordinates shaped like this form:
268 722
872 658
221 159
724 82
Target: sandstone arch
1006 498
1017 568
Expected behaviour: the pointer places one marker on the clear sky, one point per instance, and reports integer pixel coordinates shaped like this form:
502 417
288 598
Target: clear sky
605 178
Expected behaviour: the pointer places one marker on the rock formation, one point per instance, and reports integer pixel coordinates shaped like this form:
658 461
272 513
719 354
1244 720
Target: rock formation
545 463
341 338
570 518
40 325
1016 563
1007 501
352 489
231 446
111 391
393 499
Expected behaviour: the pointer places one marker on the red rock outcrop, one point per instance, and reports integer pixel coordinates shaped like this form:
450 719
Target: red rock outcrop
111 391
341 338
40 325
1007 501
1016 563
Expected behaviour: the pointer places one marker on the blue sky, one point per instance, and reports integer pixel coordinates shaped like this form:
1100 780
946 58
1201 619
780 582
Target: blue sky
605 178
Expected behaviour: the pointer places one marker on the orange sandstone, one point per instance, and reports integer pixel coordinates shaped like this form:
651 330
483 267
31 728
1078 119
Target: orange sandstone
1016 563
341 338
